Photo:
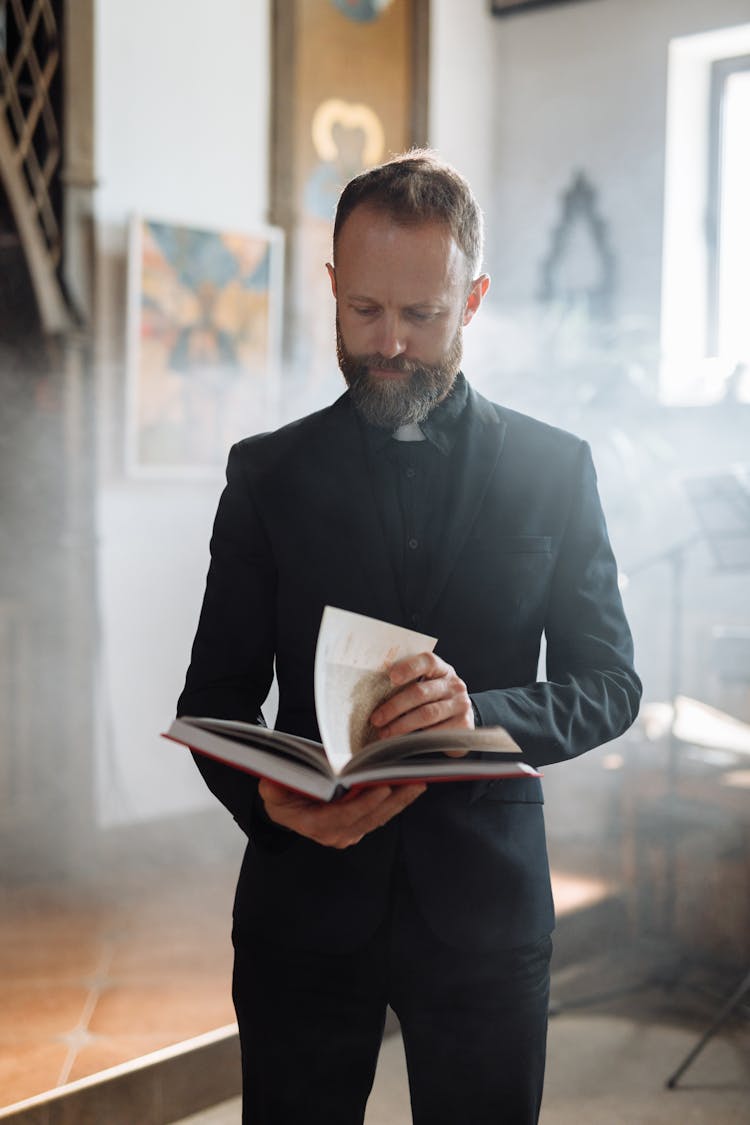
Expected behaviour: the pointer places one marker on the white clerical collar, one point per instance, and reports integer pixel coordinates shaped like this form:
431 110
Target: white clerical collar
409 432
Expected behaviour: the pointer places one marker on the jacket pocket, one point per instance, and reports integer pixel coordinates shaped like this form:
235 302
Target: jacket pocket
511 790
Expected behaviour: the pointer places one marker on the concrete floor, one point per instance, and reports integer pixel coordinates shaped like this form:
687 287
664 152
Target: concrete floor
605 1067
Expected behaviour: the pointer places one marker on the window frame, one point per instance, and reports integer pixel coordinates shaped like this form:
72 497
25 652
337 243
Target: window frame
721 71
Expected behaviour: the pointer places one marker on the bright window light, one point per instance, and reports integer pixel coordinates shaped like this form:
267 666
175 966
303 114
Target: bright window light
705 311
734 233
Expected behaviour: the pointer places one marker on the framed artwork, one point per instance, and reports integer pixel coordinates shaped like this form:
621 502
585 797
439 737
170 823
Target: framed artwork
203 355
511 7
330 122
579 269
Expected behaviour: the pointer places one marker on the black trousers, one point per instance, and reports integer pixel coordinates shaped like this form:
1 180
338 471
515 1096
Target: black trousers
311 1024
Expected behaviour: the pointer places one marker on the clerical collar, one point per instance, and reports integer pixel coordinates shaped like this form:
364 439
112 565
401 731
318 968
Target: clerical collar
409 432
440 427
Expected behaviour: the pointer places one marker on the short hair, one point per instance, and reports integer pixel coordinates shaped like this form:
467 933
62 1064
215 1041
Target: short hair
417 187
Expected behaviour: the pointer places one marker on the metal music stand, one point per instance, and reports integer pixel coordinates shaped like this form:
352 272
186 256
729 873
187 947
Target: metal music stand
721 503
722 506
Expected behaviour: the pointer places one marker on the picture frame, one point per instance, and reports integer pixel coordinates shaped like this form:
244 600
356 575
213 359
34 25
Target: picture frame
504 8
329 123
203 344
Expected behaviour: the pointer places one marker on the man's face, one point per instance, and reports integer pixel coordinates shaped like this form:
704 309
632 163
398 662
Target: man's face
402 298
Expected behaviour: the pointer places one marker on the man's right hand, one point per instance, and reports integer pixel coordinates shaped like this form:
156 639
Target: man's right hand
337 824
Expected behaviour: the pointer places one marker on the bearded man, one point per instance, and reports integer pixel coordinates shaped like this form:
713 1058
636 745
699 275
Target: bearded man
415 500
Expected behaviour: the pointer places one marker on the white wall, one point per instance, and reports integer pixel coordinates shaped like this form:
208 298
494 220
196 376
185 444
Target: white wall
584 86
152 560
182 99
181 134
462 110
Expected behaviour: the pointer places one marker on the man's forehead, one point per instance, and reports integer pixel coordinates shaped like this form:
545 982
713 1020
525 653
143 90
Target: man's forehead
372 241
382 224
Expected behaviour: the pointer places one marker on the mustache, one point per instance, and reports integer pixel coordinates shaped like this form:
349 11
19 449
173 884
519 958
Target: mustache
378 362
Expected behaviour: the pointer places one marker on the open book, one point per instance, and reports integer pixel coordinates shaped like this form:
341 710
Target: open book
352 657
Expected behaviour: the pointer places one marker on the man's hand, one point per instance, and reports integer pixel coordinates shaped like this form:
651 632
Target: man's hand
432 695
338 824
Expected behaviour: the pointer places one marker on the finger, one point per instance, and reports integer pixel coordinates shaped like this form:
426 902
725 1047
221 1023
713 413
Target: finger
326 826
322 820
357 805
401 797
453 712
412 667
278 796
272 790
451 724
412 696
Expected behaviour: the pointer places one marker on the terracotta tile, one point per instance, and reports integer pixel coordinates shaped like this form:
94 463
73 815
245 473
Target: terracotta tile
50 957
160 942
31 1011
167 920
28 1069
170 899
111 1050
63 909
145 957
574 892
189 1007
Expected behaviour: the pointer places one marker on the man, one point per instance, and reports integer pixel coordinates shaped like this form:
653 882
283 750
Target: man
414 500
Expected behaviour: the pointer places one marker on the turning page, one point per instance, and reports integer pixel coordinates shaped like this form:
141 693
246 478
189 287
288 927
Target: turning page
352 658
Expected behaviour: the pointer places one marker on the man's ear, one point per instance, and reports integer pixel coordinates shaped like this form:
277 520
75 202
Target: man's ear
332 275
476 294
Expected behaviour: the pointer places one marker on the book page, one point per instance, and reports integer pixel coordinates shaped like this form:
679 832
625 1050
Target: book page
352 658
433 743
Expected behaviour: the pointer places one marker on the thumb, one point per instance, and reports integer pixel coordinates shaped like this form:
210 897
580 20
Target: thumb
270 790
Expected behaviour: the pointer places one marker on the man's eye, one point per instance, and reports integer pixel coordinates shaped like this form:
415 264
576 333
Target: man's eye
418 316
363 310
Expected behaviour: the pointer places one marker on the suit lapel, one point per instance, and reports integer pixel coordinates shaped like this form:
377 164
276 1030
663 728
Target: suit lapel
473 463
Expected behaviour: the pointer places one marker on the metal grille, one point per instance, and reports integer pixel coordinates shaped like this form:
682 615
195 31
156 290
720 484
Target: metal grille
30 140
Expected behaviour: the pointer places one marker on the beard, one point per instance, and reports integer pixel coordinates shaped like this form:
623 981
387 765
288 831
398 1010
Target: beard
390 403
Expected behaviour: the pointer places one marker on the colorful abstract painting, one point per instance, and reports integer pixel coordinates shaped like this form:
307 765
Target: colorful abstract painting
204 344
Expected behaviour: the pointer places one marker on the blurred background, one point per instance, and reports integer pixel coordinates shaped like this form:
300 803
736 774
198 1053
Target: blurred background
168 174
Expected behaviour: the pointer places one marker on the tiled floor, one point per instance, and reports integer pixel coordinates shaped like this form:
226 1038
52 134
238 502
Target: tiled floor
96 975
92 976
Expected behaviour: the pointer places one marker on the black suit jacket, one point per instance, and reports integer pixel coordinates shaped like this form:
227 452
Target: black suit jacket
525 553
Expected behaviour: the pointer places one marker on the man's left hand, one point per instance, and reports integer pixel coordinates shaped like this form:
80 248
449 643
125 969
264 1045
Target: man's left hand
430 695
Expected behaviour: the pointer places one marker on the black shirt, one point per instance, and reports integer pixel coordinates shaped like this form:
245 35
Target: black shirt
411 479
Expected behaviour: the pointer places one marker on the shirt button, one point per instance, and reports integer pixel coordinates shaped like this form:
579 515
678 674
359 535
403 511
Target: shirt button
411 472
414 618
413 544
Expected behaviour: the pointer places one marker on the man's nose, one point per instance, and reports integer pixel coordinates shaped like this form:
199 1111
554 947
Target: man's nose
391 340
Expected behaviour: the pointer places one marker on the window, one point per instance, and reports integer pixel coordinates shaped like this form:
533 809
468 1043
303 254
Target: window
728 224
705 324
